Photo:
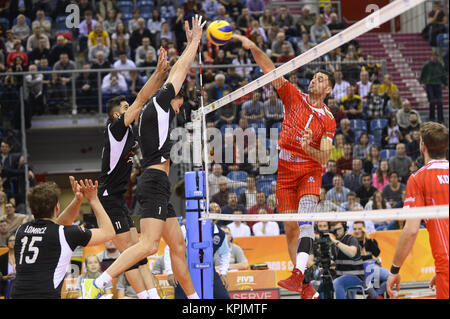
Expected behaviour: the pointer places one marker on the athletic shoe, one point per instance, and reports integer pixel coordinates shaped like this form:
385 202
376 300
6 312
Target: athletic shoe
90 291
294 282
308 292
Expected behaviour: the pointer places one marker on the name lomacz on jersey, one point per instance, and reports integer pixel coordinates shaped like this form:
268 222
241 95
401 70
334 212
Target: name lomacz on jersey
34 230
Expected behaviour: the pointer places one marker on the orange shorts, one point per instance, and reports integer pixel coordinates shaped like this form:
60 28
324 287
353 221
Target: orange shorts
442 285
296 179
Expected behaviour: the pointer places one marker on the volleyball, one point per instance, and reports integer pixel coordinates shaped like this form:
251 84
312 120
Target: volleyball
219 32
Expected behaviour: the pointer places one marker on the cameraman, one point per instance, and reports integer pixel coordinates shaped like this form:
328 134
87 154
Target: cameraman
369 251
349 264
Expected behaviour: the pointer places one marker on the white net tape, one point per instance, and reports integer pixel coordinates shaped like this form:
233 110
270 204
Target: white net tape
429 212
372 21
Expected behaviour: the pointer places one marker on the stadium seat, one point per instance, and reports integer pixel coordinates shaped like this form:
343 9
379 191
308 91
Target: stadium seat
378 124
264 180
358 125
225 126
240 176
377 135
442 41
386 154
125 6
4 22
142 3
61 23
239 191
257 125
267 189
372 140
168 12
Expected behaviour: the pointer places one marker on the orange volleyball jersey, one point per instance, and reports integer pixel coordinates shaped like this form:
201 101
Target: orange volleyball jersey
299 115
429 186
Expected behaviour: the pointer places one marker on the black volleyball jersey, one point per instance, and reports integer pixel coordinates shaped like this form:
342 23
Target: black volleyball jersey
116 157
153 128
43 251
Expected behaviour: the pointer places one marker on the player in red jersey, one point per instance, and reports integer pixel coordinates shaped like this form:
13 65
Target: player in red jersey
305 145
429 186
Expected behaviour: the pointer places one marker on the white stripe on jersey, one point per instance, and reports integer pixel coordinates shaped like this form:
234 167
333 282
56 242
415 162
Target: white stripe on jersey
115 149
163 123
64 259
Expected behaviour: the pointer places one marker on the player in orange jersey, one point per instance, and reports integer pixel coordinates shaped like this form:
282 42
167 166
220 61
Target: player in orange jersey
305 142
427 187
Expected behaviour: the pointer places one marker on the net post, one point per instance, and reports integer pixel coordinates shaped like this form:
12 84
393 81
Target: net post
198 235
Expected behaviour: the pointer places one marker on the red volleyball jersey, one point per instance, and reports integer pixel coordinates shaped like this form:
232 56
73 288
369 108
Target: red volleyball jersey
299 115
429 186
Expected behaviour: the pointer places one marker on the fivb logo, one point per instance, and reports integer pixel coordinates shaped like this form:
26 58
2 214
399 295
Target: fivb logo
73 19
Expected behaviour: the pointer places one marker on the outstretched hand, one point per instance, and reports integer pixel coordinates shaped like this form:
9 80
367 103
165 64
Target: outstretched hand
76 188
246 42
194 34
163 64
89 189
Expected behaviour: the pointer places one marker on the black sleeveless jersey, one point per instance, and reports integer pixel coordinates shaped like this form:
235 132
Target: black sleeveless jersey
116 157
43 251
153 128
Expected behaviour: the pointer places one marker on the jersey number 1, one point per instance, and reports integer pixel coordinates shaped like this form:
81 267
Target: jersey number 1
31 248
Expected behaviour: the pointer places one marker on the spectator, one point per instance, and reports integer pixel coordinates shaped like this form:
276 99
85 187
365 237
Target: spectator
114 84
124 63
256 7
94 34
122 31
413 125
432 76
393 103
21 30
133 23
24 7
121 46
149 61
165 33
253 111
10 41
404 113
387 86
351 204
243 20
391 134
103 7
381 177
40 52
108 256
210 7
266 19
273 109
232 204
340 87
374 104
216 90
335 26
413 147
305 44
400 162
13 219
11 58
351 104
8 267
44 22
3 232
33 40
265 228
326 205
327 178
136 83
286 54
243 59
349 264
154 24
344 163
353 180
338 193
221 197
238 228
412 169
377 201
437 20
238 261
86 27
361 150
100 61
87 88
110 24
277 45
337 150
284 19
93 271
60 47
56 92
100 46
33 94
346 131
319 30
65 63
371 251
234 9
335 109
248 197
392 192
216 175
260 203
138 34
255 30
363 86
9 167
177 26
366 190
306 20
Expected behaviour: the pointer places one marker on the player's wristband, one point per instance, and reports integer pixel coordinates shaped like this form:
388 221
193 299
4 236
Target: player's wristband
395 270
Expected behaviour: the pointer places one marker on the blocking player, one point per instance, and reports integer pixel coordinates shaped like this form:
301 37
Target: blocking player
116 170
158 216
429 186
306 141
44 246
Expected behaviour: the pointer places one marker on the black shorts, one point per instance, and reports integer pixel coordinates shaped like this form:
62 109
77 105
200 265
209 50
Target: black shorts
153 194
118 212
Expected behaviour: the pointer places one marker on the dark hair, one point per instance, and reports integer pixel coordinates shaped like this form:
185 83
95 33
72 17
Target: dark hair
42 199
359 222
114 102
393 172
366 175
435 136
351 194
330 76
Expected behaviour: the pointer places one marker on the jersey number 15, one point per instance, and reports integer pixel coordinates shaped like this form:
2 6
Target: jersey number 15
31 248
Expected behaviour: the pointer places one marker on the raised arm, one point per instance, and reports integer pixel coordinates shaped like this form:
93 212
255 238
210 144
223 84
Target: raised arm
264 62
70 214
150 88
180 69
